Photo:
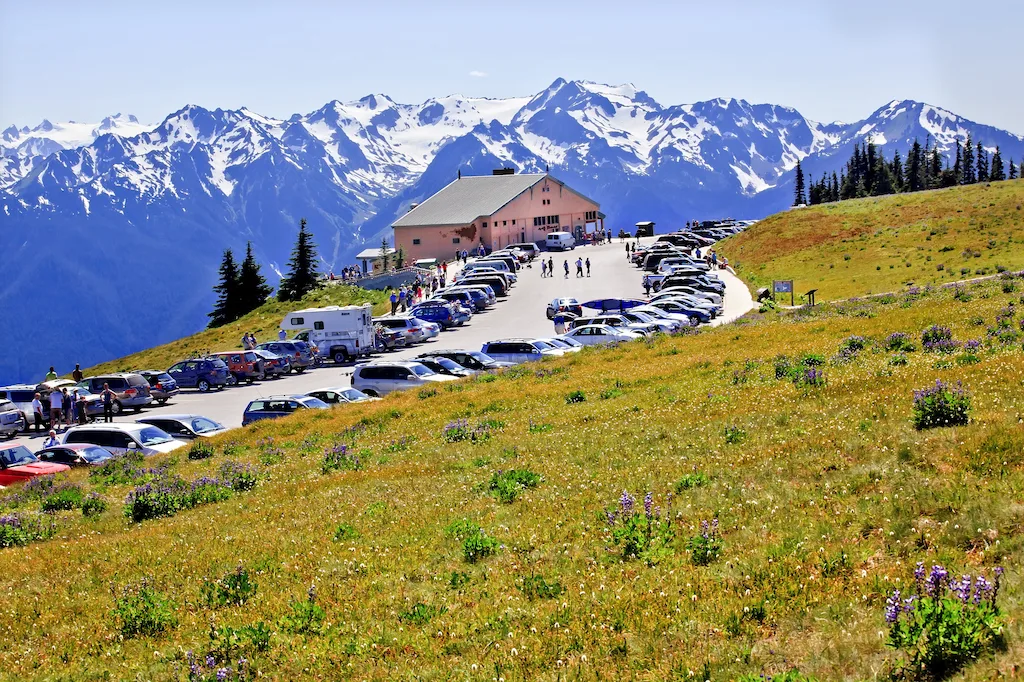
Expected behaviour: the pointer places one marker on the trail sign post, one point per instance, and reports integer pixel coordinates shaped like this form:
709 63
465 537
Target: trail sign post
784 286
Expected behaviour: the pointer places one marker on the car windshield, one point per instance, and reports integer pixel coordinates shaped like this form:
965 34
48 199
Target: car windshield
569 341
202 425
16 456
6 405
150 435
314 403
542 345
421 370
557 343
94 454
448 364
353 394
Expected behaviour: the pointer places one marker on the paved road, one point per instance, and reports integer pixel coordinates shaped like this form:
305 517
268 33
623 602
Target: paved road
520 314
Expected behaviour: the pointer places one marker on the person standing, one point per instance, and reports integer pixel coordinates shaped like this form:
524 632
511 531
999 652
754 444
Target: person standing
56 409
77 374
565 265
51 375
401 298
72 403
69 406
551 266
37 412
543 269
588 266
81 412
245 341
714 259
627 250
282 335
579 267
647 285
394 302
108 403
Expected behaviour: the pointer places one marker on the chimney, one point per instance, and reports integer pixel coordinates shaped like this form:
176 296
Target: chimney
503 171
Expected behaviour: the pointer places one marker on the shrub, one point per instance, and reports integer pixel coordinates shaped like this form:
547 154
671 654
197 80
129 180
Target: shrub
400 445
123 469
306 617
707 546
809 376
936 339
767 305
169 494
339 458
944 623
62 497
506 485
609 393
898 360
538 427
140 610
900 343
238 476
694 480
645 534
427 393
459 430
93 505
20 529
200 449
941 405
535 587
853 343
345 531
574 397
233 589
225 641
421 614
734 435
478 546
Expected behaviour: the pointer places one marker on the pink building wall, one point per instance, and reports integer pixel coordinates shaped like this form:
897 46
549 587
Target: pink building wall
511 224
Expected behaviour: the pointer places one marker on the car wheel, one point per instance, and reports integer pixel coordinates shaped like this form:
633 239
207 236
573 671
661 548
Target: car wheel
203 385
232 380
300 370
262 376
249 380
550 314
115 407
221 387
162 401
340 357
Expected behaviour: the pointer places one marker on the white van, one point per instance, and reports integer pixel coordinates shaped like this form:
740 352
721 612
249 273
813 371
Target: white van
560 241
341 333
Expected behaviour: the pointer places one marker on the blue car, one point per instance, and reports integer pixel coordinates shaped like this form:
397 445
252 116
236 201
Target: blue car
438 313
280 406
201 373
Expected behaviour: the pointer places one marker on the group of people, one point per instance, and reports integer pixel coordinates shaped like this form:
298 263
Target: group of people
711 258
351 272
547 267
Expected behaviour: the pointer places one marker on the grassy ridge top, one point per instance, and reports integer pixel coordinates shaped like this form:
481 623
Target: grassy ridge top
263 322
826 497
880 244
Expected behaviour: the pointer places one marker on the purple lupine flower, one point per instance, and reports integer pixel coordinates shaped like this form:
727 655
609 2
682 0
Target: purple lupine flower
998 579
222 674
210 661
972 346
919 573
704 528
981 588
626 502
908 603
611 517
648 503
892 607
962 589
936 580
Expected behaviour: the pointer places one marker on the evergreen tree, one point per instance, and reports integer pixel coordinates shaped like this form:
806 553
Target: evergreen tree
997 172
896 170
799 197
935 167
982 164
385 254
1013 171
302 276
958 166
253 289
968 166
834 193
226 309
915 172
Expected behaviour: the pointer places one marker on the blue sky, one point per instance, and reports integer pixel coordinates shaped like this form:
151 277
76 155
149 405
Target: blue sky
833 61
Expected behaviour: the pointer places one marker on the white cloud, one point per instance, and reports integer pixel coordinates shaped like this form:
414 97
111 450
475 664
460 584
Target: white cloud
478 74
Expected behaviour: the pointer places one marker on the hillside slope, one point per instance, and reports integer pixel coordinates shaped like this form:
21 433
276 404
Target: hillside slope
883 244
825 494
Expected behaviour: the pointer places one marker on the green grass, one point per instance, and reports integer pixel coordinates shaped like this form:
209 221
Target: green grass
263 322
882 244
825 504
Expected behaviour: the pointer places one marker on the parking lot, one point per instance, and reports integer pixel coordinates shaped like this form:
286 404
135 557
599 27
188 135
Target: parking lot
520 314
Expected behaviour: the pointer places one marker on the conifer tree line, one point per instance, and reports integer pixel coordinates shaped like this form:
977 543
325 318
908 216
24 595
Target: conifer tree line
242 288
869 173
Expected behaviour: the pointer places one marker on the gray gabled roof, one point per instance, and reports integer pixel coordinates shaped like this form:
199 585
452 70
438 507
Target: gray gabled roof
470 197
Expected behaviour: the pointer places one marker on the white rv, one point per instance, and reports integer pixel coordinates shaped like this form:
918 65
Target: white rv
341 333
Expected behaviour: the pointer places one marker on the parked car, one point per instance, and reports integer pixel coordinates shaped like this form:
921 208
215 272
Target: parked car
187 426
122 438
464 297
11 419
443 365
470 359
75 454
600 334
382 377
564 305
481 301
559 241
340 395
18 464
162 385
407 325
300 358
437 312
680 308
244 365
279 406
22 396
529 248
431 330
682 319
201 373
388 339
131 388
563 345
518 350
274 365
666 326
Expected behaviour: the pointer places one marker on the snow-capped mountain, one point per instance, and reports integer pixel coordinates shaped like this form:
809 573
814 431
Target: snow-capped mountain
129 219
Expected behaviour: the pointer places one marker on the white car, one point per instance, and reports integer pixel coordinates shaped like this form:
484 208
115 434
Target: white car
409 326
519 350
122 438
709 295
563 345
184 426
380 378
601 334
654 311
340 395
664 325
431 330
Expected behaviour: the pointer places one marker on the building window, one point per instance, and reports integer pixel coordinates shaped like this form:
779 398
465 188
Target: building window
415 241
485 223
513 221
553 220
504 223
537 222
591 215
455 240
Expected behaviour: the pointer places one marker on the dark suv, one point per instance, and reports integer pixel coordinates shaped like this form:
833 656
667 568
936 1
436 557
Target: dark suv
201 373
161 385
132 389
299 357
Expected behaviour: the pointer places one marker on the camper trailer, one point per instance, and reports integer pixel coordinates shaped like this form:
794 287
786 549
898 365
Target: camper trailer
341 333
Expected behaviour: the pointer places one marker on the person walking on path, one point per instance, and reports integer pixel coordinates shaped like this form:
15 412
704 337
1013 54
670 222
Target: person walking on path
565 265
551 266
37 412
77 374
56 409
543 268
108 403
647 285
394 302
714 259
579 267
51 375
588 267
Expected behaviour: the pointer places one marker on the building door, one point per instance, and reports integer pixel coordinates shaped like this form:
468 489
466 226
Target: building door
522 236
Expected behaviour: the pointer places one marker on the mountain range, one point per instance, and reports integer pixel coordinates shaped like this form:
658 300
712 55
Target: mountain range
111 233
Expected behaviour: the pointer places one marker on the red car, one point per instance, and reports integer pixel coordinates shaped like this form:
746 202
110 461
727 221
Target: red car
18 464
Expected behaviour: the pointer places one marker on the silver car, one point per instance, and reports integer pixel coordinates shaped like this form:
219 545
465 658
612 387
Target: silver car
11 420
